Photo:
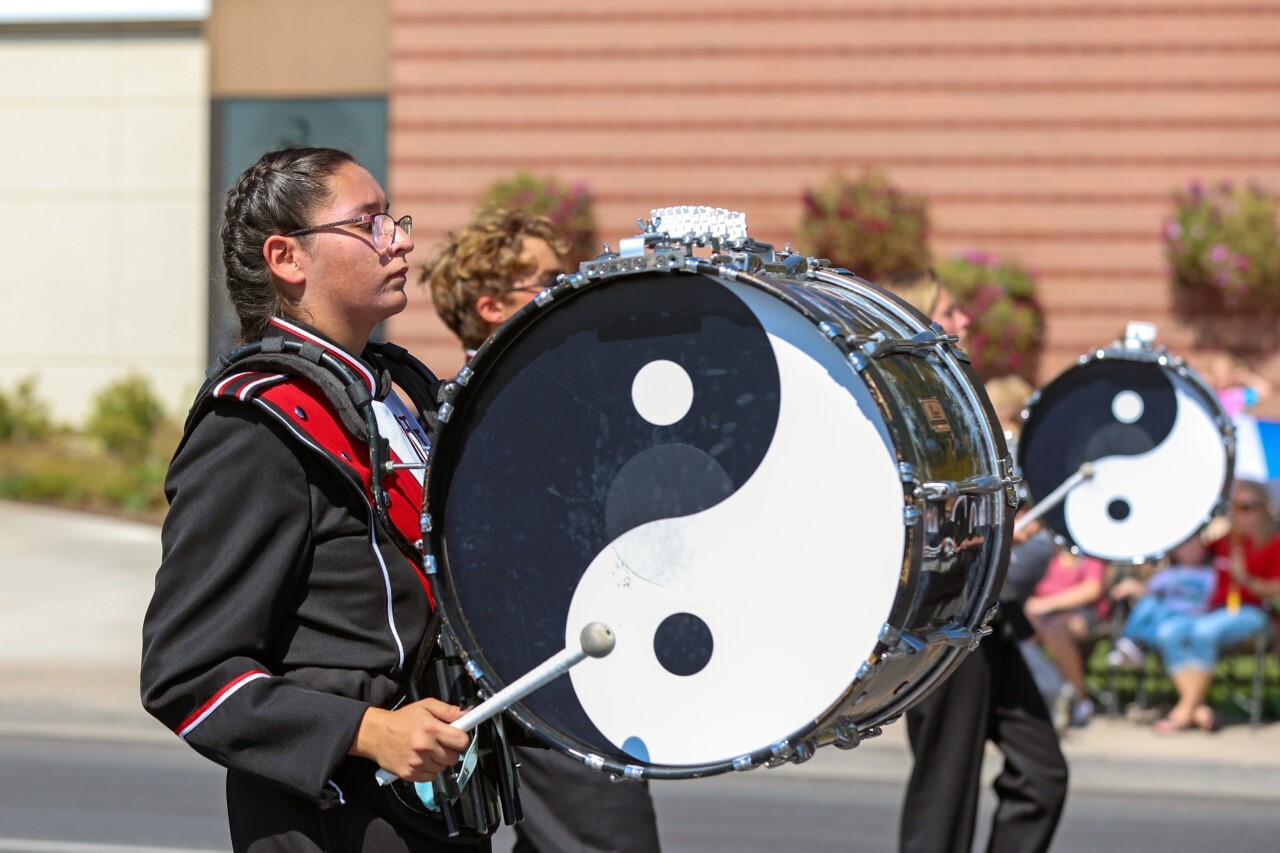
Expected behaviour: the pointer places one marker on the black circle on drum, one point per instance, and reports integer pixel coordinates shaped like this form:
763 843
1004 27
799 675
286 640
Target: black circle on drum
683 644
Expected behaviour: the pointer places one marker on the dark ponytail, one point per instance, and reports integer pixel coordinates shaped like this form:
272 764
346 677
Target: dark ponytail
275 195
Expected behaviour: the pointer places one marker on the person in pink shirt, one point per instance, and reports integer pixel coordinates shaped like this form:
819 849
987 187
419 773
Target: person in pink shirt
1068 604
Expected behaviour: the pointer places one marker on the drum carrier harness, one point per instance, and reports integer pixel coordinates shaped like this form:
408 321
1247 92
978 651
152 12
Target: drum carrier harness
436 669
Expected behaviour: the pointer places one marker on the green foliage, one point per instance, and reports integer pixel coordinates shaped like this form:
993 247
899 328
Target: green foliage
120 469
1223 251
1007 330
867 225
125 417
62 473
23 417
570 208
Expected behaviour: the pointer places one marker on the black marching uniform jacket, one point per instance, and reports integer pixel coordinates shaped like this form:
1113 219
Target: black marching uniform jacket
283 608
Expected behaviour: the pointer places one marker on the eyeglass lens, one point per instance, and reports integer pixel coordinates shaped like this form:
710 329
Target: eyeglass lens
384 229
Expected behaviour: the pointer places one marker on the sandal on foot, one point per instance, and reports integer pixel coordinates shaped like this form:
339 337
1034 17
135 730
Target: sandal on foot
1168 726
1205 719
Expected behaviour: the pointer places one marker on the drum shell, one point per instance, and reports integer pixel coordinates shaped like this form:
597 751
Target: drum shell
937 425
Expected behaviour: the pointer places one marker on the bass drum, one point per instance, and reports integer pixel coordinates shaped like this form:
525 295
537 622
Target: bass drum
786 496
1160 444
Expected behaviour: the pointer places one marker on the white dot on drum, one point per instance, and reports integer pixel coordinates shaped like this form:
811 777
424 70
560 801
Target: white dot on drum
1127 406
662 392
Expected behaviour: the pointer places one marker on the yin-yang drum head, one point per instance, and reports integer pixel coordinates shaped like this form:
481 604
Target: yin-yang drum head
1160 447
688 460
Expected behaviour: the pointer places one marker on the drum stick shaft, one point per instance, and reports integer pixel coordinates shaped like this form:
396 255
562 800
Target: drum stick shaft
1055 497
596 641
541 675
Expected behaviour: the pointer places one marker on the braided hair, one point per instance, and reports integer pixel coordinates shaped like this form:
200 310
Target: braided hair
275 195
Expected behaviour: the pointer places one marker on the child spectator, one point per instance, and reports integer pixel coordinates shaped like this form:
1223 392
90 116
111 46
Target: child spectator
1184 587
1069 603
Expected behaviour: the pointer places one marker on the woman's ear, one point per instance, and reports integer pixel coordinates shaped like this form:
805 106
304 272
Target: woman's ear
283 256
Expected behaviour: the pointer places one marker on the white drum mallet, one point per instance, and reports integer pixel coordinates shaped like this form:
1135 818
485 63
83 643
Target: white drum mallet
595 641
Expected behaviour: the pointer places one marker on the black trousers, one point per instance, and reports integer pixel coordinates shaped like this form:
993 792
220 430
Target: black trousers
264 819
990 696
569 808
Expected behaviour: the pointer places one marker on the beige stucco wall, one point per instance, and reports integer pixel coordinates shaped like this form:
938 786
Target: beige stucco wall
103 212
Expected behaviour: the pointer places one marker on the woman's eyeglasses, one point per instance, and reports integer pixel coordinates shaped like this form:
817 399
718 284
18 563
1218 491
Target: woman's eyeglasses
383 228
1245 507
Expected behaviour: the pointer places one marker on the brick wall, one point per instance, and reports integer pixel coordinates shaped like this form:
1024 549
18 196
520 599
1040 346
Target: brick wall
1053 132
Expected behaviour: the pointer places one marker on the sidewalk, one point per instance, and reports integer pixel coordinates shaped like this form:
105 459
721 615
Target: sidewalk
75 587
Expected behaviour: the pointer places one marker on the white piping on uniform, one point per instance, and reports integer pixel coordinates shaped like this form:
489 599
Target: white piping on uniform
187 729
373 538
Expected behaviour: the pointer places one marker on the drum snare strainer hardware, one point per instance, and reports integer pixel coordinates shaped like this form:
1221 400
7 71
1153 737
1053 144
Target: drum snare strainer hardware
781 486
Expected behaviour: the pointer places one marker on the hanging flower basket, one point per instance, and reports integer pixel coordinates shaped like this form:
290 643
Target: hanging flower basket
866 225
569 207
1006 334
1223 252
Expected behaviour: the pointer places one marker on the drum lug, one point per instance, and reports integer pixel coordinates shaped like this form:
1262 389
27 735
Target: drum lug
1012 479
889 634
429 565
937 491
445 412
991 614
783 753
424 522
474 670
920 345
633 771
595 762
846 733
910 486
906 645
958 636
942 490
743 762
463 377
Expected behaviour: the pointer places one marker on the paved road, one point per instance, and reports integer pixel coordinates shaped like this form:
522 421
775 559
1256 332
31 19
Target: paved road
101 797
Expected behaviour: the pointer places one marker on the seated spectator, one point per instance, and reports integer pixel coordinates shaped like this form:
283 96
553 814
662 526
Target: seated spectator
1069 603
1183 588
1247 562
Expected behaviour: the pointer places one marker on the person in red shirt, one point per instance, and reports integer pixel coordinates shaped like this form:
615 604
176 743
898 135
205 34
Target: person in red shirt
1247 561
